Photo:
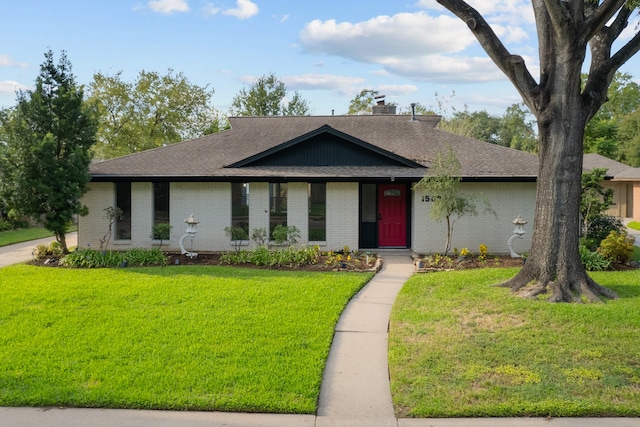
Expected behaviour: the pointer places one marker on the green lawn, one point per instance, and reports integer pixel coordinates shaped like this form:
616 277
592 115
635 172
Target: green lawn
25 234
461 347
205 338
634 224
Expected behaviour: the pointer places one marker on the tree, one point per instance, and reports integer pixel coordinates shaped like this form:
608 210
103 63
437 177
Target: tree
595 199
267 97
602 134
49 137
510 130
363 102
562 107
629 139
442 186
516 131
150 112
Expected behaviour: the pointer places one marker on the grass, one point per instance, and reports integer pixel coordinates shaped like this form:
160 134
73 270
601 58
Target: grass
187 338
634 224
26 234
460 347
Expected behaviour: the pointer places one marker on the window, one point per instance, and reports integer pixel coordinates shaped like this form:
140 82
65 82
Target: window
160 203
240 210
123 201
317 212
277 205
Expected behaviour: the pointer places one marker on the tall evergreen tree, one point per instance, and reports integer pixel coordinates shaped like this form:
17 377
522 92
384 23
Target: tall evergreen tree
49 135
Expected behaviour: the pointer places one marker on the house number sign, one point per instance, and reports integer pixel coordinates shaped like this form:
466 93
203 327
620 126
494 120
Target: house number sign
427 199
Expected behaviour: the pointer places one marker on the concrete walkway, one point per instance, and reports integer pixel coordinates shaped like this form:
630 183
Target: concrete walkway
21 252
355 387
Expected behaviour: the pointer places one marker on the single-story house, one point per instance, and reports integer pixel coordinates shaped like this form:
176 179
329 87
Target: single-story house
625 182
341 180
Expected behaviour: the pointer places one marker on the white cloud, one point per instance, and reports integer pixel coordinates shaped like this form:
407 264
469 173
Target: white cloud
10 87
210 9
245 9
446 69
323 82
508 11
396 90
6 61
421 46
168 6
383 37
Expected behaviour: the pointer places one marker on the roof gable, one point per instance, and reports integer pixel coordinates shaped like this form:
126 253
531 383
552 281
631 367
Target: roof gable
325 146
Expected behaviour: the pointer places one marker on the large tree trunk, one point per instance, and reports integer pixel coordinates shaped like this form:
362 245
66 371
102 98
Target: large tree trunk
565 29
554 267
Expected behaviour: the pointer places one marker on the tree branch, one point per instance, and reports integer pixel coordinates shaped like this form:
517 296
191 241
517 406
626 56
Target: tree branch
512 66
596 21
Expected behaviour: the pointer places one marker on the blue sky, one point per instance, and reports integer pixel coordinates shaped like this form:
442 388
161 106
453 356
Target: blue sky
327 50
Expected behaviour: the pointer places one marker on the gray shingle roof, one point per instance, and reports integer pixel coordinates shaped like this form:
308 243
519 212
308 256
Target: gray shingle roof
593 161
208 157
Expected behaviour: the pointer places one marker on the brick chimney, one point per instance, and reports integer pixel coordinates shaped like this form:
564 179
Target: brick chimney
381 107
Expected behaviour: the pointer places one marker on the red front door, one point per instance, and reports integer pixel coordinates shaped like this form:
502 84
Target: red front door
392 215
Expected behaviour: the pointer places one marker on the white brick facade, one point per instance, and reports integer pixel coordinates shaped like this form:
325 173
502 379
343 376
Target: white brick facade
342 215
508 200
210 203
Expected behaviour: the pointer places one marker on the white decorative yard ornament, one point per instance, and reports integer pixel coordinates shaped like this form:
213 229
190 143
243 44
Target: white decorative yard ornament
191 233
518 231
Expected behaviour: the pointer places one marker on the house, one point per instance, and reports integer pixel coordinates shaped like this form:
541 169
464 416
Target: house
625 182
341 180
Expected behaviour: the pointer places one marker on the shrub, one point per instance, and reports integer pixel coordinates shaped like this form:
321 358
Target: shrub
593 260
161 232
599 229
260 236
54 249
90 258
237 235
283 235
6 226
617 247
263 256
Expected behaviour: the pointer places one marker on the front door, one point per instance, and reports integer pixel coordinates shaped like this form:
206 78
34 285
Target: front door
392 215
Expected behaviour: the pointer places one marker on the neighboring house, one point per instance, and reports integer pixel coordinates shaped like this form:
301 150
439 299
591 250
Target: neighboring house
625 182
341 180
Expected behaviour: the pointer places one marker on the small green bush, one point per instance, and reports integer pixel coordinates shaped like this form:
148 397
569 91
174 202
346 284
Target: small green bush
6 226
283 235
617 247
260 236
90 258
593 260
600 228
161 231
262 256
54 249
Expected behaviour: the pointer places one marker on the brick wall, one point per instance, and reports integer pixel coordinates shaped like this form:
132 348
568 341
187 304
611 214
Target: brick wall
210 203
92 227
508 200
342 215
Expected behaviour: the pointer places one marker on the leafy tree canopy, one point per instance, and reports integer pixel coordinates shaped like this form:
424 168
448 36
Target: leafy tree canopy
268 96
152 111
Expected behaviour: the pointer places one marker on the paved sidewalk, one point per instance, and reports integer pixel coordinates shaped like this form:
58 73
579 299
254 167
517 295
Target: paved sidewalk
22 252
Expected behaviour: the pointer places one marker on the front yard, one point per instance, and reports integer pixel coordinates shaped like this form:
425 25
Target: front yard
460 347
205 338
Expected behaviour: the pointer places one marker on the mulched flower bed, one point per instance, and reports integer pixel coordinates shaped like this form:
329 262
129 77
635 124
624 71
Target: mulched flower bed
358 262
